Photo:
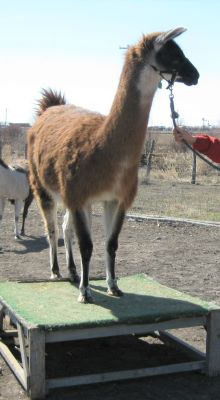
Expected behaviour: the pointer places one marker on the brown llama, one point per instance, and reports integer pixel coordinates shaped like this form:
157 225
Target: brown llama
78 157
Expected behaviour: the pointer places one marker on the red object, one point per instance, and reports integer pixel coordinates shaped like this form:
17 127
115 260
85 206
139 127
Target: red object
209 146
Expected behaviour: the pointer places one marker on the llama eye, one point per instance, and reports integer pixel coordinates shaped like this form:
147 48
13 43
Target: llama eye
170 52
176 62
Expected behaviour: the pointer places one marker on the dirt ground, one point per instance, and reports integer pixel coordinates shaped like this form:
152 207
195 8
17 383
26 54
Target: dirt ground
182 256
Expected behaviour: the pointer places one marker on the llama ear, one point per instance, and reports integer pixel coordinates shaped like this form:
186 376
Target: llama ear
172 34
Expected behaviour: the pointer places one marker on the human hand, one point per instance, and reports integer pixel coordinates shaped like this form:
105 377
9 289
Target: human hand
181 134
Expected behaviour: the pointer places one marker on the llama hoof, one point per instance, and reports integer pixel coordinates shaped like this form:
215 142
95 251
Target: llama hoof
18 237
74 278
85 299
85 296
56 276
115 291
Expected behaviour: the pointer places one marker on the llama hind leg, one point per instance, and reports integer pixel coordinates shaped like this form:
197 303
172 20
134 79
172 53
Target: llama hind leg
68 235
82 226
27 204
18 207
49 212
52 230
114 217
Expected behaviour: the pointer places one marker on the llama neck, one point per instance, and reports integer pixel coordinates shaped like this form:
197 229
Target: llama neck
127 122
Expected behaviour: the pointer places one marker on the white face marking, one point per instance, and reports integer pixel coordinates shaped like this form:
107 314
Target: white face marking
147 84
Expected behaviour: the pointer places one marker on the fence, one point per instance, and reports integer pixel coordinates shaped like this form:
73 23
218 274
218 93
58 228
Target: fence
165 176
13 147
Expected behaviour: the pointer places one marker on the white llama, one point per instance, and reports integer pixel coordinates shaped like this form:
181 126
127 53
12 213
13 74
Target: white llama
14 186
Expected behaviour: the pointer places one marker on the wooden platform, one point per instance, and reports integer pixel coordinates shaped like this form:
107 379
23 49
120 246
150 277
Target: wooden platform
48 312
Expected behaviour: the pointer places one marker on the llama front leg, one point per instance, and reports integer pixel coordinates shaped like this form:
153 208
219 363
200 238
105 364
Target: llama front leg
18 207
82 225
68 236
114 217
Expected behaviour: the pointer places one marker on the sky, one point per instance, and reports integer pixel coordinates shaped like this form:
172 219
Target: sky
74 46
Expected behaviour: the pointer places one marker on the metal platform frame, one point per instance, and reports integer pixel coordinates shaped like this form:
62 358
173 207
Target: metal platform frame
31 341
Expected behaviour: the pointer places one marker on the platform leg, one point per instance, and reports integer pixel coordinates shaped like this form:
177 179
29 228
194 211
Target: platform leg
213 343
23 352
37 387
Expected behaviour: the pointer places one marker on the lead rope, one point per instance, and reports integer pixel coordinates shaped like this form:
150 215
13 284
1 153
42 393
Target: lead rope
174 116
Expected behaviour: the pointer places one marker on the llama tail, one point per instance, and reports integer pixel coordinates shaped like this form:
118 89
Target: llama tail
49 98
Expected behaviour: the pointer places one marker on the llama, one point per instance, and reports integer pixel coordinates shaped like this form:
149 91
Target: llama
14 186
78 157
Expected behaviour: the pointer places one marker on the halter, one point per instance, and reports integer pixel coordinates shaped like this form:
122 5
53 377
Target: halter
161 73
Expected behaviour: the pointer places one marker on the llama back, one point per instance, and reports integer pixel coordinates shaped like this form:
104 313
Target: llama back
58 133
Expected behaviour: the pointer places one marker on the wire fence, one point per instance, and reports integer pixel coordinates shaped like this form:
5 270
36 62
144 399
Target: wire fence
165 187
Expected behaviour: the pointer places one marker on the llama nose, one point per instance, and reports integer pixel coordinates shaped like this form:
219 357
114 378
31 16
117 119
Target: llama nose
196 74
192 77
196 77
193 73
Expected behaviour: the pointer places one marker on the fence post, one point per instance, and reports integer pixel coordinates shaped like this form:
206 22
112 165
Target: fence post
193 180
25 152
149 159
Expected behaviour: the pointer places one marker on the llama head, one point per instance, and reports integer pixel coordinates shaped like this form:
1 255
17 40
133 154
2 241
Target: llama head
166 57
170 57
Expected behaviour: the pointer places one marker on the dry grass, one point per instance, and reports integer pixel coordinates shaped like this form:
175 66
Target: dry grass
169 192
172 161
180 199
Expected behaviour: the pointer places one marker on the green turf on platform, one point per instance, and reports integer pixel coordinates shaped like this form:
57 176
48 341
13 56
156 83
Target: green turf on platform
54 304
